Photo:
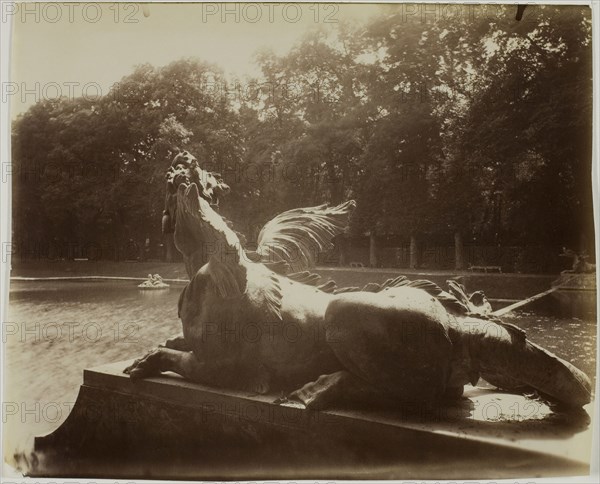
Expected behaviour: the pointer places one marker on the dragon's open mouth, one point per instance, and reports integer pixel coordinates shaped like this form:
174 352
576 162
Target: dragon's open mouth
178 175
185 171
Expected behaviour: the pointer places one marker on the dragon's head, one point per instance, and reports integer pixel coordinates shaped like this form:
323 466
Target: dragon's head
185 169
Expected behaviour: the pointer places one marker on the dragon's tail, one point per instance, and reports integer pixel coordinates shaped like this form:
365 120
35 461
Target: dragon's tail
506 358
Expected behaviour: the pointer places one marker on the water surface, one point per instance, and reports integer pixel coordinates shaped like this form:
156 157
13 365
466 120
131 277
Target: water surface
56 329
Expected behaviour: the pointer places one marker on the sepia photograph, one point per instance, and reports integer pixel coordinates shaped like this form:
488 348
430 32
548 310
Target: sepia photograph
299 241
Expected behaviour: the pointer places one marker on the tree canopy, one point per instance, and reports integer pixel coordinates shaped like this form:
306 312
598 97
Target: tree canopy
477 124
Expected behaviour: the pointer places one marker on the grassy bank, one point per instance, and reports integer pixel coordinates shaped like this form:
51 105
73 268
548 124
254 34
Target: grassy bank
168 270
500 286
174 270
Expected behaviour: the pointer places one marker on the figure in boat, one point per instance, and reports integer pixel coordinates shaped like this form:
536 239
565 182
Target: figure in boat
153 282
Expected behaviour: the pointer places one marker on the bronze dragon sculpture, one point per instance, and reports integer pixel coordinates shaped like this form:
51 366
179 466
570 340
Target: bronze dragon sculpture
258 321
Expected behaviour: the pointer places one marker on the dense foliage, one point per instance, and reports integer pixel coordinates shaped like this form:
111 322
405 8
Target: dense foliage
476 125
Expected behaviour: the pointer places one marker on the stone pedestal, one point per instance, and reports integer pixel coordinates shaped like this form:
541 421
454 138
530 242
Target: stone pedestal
165 427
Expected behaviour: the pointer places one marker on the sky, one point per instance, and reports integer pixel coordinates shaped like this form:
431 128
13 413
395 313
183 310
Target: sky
83 49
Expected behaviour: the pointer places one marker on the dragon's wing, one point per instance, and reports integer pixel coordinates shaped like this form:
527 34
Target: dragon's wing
296 237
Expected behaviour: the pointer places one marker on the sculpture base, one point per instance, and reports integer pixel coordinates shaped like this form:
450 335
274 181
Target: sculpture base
168 428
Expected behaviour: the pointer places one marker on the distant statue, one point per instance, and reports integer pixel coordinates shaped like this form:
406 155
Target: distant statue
259 321
153 282
580 264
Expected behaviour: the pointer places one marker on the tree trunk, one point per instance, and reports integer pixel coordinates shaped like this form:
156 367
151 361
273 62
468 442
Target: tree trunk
372 250
116 244
459 260
342 243
170 247
414 255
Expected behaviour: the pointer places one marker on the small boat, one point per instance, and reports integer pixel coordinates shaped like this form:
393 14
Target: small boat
153 282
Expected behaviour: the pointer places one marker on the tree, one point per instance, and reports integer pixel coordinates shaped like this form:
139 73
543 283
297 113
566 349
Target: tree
471 128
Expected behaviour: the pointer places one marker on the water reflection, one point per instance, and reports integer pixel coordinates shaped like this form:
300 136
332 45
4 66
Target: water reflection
155 294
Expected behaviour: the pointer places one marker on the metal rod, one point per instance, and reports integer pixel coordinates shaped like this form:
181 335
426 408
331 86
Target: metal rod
512 307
